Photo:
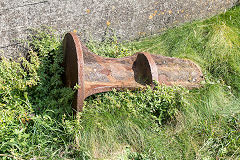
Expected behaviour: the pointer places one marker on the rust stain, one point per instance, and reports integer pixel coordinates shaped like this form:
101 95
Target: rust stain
105 71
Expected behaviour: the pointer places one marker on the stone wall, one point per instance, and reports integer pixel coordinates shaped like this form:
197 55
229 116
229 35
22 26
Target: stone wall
129 18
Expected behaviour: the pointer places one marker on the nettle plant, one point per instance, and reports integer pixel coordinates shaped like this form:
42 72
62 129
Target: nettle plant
110 46
161 104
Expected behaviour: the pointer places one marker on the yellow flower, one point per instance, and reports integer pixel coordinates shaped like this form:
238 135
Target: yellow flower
170 11
150 17
108 23
75 31
88 11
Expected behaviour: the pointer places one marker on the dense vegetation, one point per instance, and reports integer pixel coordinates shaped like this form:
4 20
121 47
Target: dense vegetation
36 120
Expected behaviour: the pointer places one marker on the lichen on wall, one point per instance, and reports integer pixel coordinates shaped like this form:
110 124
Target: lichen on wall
128 18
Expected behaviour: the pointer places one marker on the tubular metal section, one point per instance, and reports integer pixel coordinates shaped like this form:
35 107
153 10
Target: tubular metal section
95 74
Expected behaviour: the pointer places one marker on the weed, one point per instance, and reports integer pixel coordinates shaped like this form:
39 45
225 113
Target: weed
36 120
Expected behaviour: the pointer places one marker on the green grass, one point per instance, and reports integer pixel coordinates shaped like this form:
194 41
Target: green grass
36 120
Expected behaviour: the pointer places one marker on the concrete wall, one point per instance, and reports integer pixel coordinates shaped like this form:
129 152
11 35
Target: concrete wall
129 18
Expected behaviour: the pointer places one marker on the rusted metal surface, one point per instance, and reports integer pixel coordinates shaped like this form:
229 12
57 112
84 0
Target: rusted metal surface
95 74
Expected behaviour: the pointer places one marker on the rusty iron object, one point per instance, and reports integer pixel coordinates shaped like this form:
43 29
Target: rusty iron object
95 74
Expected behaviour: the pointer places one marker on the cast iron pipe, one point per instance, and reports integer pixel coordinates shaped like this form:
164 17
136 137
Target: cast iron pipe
94 74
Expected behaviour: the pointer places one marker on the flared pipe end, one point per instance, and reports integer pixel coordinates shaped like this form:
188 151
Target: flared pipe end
74 67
